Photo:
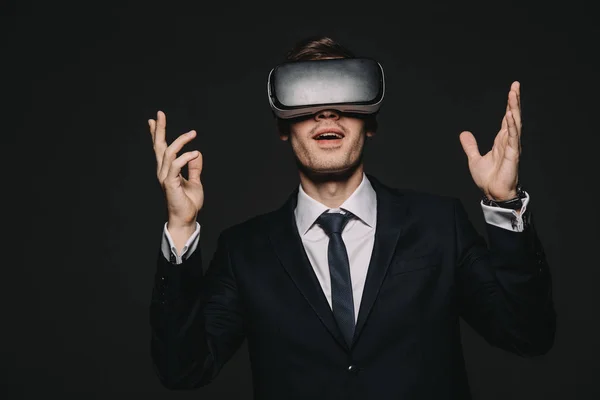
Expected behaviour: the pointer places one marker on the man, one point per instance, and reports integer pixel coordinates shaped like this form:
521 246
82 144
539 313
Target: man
366 309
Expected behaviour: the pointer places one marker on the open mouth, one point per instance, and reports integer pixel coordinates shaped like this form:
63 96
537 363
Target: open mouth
329 136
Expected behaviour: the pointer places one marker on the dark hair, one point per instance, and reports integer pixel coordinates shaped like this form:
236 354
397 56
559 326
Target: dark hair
319 48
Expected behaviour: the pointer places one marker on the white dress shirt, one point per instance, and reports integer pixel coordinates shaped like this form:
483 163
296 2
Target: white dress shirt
358 234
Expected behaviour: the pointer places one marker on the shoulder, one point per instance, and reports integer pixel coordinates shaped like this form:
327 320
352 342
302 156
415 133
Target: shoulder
253 230
417 199
431 208
425 199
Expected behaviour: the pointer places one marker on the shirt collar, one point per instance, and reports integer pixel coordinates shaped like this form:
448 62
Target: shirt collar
362 203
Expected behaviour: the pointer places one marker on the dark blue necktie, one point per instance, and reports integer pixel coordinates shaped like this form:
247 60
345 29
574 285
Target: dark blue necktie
339 270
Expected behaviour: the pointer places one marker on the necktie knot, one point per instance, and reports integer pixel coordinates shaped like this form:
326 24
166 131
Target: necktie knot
333 222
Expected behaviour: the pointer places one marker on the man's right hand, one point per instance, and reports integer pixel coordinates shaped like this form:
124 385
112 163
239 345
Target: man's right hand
185 197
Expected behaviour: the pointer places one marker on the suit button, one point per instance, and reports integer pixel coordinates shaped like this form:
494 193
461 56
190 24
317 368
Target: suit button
352 368
163 283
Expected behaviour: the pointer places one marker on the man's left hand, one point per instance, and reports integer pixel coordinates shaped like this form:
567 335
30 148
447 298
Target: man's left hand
497 173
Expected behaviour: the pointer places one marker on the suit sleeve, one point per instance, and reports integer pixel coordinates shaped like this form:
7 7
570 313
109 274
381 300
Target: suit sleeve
505 290
196 319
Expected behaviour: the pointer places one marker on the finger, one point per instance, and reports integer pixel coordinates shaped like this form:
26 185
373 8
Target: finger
514 108
513 104
500 143
504 124
161 125
152 127
157 153
469 145
160 129
513 134
171 151
177 164
516 87
195 168
158 137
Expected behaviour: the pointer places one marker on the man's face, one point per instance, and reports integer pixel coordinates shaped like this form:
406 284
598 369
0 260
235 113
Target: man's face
328 141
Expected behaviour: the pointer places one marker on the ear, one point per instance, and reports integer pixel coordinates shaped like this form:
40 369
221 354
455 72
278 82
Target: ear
371 126
283 128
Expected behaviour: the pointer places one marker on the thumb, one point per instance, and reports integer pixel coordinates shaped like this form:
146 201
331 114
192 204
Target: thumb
469 145
195 168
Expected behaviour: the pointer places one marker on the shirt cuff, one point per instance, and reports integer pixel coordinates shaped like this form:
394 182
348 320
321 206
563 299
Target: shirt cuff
505 217
170 251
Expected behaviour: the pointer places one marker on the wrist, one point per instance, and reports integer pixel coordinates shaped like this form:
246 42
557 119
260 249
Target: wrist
181 228
512 201
509 196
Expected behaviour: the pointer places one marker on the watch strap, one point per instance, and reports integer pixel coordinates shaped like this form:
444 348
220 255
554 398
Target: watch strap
514 204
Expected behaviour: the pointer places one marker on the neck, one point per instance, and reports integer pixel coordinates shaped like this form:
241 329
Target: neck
331 189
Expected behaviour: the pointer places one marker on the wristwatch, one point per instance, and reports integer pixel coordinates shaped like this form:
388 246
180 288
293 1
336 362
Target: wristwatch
514 204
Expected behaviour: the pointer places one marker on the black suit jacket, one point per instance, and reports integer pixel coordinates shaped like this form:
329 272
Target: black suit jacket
429 267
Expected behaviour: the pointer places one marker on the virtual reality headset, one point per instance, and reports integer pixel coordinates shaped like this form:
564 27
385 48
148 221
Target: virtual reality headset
349 85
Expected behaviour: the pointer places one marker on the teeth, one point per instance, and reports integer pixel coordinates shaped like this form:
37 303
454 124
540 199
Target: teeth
330 134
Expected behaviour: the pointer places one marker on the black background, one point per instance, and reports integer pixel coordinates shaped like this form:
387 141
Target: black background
84 211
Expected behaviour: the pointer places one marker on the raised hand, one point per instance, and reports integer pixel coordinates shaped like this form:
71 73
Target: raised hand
497 173
185 197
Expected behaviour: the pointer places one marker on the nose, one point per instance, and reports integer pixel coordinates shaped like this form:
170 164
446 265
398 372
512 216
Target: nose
327 114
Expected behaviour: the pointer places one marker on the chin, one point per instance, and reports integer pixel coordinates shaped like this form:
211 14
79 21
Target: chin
328 173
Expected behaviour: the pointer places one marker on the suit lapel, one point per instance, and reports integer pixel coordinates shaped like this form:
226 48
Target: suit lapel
290 251
391 218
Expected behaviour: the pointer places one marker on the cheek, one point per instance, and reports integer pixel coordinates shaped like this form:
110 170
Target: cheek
301 128
300 148
359 139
